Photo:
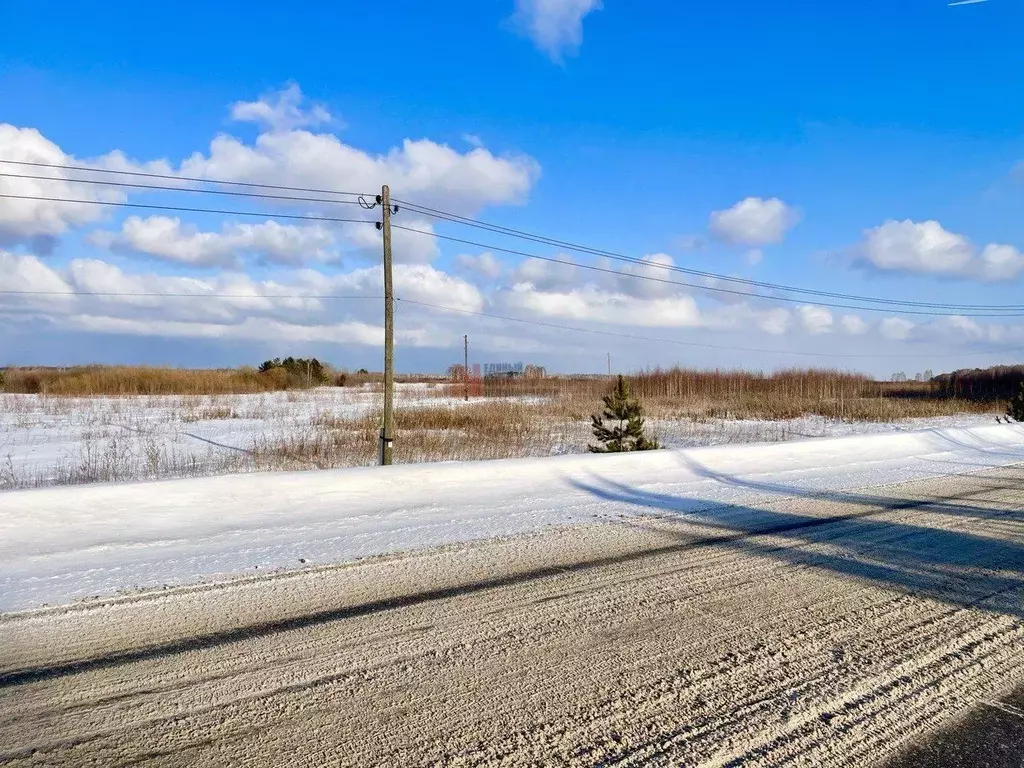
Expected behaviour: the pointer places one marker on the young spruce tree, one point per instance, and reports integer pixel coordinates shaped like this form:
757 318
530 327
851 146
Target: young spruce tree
628 433
1015 410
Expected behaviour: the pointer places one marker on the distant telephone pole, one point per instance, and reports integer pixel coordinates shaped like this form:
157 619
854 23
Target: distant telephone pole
387 430
609 363
465 363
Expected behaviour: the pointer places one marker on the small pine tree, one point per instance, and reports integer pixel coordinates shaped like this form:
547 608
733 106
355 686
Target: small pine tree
1015 410
628 435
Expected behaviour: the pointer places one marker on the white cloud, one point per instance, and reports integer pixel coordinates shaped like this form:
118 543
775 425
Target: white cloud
913 247
815 319
650 270
167 238
589 303
280 111
555 26
548 276
415 245
927 248
1000 262
483 264
754 256
896 328
230 305
853 325
42 221
419 170
774 321
754 221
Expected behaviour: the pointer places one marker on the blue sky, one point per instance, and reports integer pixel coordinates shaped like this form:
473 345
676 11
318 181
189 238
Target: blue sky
875 145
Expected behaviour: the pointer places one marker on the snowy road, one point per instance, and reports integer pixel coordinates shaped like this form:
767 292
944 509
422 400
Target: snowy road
810 628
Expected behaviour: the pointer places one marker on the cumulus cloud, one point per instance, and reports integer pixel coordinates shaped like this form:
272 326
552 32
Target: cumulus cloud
927 248
853 325
419 170
1000 262
167 238
555 26
815 319
412 242
483 264
548 276
896 328
41 221
651 269
99 297
754 221
590 303
282 110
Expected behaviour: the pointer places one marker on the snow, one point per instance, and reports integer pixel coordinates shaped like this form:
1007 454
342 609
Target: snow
45 440
56 440
61 544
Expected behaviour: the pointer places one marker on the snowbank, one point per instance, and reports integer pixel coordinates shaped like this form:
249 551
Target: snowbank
62 544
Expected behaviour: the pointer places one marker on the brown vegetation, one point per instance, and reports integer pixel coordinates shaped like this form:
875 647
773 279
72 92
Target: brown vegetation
96 380
687 394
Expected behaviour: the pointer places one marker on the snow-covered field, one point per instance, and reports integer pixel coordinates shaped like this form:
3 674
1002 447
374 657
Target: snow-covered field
61 544
54 441
59 440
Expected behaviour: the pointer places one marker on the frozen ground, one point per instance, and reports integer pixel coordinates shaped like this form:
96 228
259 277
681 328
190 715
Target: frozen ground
62 544
809 627
55 441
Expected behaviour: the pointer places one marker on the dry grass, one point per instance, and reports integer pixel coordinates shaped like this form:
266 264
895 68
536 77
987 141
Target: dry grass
702 395
129 437
92 381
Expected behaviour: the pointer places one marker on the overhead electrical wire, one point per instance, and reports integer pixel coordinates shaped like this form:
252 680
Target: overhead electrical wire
172 295
175 177
191 190
715 289
498 229
524 254
184 209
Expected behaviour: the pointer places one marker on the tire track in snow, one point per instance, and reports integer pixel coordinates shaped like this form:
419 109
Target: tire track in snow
824 644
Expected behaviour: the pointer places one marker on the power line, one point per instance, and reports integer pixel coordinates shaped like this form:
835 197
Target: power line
542 239
164 295
683 284
456 218
183 209
956 309
680 342
173 177
167 188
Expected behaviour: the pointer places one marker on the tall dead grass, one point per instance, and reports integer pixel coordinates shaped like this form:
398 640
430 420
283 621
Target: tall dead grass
91 381
688 394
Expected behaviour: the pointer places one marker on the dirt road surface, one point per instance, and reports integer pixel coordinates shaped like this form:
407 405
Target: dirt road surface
834 630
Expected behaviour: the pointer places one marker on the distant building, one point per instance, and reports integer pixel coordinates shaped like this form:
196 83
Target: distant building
506 370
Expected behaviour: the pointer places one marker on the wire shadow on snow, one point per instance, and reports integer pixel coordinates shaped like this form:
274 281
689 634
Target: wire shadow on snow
957 567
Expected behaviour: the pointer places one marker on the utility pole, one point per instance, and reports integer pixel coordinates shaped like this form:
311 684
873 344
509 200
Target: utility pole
387 432
609 364
465 363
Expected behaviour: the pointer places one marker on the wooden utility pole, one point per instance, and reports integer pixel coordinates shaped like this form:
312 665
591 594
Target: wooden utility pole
387 431
465 363
609 363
